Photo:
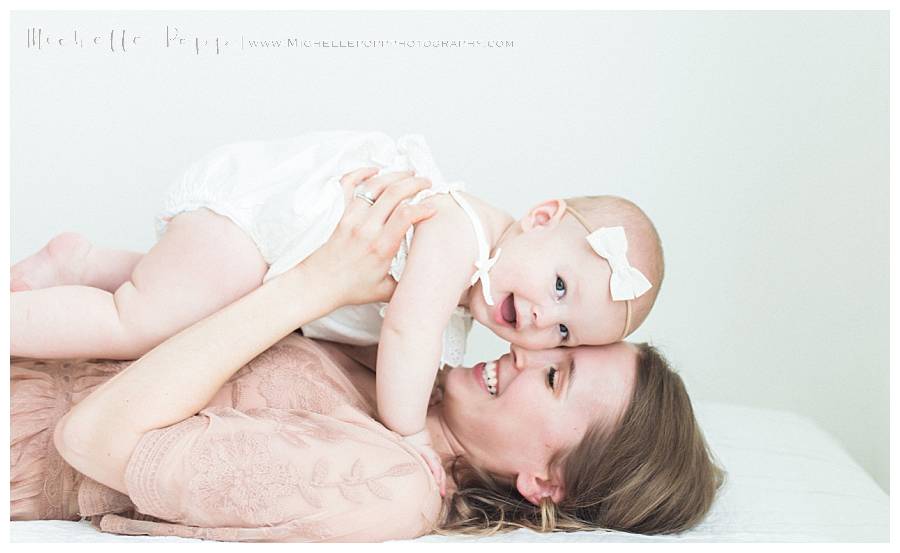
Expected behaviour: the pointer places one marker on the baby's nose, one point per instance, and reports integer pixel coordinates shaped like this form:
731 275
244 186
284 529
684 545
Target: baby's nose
542 316
537 316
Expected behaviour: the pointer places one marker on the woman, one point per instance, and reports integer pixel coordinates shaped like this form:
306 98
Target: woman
288 448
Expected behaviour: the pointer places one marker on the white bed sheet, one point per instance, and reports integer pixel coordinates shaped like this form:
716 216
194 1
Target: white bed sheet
788 481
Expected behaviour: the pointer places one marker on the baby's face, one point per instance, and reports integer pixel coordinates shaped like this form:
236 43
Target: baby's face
550 289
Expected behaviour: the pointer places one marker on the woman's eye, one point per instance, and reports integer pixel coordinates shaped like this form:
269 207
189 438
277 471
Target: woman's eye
564 332
560 287
551 377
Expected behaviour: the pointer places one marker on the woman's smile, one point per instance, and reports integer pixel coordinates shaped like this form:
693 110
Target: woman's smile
487 374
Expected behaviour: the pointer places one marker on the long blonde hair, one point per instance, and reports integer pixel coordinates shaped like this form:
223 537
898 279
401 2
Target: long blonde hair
652 474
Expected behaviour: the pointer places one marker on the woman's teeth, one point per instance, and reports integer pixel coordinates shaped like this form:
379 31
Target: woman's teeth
490 377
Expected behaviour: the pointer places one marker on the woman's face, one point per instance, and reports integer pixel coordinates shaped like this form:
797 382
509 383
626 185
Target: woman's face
545 400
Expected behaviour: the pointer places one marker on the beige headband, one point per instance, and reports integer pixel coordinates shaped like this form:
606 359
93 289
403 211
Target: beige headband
587 227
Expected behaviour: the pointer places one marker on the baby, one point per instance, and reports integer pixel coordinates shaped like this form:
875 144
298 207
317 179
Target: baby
570 272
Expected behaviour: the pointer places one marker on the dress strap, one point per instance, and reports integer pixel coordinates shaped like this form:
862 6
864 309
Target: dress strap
484 262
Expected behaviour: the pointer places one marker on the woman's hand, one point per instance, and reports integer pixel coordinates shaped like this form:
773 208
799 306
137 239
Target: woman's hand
358 255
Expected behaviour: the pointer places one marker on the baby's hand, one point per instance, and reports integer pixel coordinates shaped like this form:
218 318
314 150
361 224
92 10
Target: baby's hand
421 442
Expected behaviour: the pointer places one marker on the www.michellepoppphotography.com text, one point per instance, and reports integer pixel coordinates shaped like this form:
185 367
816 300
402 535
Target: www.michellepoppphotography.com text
122 41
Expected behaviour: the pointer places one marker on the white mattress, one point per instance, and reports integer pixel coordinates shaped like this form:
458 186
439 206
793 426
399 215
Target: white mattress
788 480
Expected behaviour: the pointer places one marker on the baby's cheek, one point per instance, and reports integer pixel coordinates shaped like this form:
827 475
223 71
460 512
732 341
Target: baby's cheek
609 325
529 339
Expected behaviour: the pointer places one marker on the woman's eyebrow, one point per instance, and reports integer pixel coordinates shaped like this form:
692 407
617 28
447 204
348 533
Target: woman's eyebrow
571 377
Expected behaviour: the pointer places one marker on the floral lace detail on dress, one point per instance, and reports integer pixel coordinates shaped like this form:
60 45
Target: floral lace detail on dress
351 486
297 427
237 474
142 473
292 377
250 478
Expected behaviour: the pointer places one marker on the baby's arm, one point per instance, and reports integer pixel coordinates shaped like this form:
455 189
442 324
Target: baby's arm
437 270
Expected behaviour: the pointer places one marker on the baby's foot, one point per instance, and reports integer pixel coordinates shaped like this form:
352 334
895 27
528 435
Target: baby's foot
58 263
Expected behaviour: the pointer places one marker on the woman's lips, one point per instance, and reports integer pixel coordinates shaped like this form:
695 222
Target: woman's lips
478 374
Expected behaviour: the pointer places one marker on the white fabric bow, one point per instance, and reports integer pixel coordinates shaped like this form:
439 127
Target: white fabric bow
626 282
482 267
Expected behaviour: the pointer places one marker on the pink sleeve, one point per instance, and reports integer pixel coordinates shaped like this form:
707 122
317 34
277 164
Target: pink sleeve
277 475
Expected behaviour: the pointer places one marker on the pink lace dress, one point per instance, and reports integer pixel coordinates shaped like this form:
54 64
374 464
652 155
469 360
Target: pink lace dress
288 450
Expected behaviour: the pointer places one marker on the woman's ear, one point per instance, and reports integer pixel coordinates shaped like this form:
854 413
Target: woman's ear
545 214
534 488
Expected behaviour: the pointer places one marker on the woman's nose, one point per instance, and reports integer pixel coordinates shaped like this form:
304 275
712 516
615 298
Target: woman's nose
518 356
521 357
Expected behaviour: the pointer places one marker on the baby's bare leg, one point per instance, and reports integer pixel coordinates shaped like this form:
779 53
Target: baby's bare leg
109 269
70 258
202 263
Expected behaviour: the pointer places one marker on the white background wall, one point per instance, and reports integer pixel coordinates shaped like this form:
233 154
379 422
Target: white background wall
757 142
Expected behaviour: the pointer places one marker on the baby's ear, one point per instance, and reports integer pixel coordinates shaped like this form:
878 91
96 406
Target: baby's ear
545 214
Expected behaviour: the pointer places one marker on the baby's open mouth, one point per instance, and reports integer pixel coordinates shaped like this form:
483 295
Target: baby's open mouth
508 310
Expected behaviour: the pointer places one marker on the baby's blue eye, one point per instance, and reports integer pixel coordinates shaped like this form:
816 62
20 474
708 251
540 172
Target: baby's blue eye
560 287
564 332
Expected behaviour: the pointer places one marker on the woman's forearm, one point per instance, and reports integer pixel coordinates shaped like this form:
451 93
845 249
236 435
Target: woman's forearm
180 376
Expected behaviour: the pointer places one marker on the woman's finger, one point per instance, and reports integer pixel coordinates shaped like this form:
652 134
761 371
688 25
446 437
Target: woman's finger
391 197
358 209
353 178
348 183
397 224
389 236
374 186
367 179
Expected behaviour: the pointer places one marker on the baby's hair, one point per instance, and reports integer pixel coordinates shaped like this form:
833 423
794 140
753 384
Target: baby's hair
645 250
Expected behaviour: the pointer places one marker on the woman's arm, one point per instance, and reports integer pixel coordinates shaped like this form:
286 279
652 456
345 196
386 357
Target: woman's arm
180 376
276 475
